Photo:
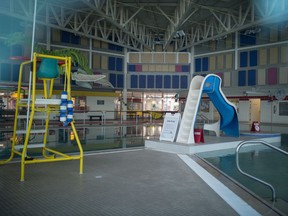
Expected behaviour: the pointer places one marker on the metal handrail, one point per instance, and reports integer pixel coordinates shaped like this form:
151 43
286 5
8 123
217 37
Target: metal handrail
253 177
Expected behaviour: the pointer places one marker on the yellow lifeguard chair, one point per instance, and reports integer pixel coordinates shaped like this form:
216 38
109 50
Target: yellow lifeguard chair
47 72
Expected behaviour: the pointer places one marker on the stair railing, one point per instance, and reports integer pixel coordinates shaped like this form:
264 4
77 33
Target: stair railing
253 177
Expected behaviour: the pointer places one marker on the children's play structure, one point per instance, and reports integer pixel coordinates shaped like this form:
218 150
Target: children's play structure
45 68
228 122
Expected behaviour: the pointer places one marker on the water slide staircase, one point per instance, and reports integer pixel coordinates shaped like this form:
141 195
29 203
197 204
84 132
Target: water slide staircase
211 85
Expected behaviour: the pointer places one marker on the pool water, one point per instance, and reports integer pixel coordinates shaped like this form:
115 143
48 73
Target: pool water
268 165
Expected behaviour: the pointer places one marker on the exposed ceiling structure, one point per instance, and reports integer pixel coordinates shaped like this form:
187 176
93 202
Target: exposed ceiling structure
143 24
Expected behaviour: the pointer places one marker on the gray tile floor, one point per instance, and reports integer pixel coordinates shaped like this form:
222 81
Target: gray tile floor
135 182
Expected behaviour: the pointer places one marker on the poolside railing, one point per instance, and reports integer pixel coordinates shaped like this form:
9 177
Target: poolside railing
253 177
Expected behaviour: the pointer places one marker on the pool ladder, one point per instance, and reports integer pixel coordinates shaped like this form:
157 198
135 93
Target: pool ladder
253 177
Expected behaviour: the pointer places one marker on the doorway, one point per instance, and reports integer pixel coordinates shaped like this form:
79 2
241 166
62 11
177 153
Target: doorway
255 109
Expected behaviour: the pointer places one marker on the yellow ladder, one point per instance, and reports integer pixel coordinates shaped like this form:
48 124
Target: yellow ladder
44 105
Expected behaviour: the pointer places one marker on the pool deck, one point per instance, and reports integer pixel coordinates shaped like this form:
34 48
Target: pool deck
211 143
124 182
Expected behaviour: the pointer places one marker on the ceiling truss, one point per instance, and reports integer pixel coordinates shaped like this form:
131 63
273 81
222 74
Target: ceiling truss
112 21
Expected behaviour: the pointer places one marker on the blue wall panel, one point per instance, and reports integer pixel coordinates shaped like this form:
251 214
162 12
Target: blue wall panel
175 81
131 68
142 81
249 39
243 59
111 63
251 77
253 58
112 79
241 78
150 81
205 64
159 81
119 64
120 80
167 81
198 65
185 68
183 82
134 81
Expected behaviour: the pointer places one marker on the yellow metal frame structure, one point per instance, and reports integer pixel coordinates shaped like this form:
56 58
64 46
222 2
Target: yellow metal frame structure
47 94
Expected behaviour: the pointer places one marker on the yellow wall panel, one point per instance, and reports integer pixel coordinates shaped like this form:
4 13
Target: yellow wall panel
84 41
220 62
55 35
273 33
212 45
104 45
226 79
263 56
283 75
228 41
170 58
152 68
284 54
171 68
158 58
146 57
96 44
261 76
158 68
165 68
212 63
183 58
96 61
145 67
133 58
229 61
104 62
273 55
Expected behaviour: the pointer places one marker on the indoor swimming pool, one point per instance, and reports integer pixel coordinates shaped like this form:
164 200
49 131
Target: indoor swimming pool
263 163
93 138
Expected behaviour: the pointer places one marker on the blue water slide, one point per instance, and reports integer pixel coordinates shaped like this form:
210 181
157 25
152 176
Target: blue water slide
228 113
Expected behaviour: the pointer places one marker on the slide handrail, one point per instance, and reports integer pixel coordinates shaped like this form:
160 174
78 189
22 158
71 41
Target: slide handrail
253 177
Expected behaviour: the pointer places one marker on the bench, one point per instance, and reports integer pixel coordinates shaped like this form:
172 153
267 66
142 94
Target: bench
95 116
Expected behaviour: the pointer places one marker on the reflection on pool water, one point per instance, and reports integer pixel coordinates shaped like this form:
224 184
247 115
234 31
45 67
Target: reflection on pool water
266 164
93 138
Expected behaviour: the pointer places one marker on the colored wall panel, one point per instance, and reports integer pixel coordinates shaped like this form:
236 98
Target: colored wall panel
283 75
134 81
205 61
175 81
284 54
150 81
198 65
145 67
273 55
241 78
139 68
133 58
119 64
228 61
243 59
167 81
120 80
183 58
171 68
159 81
131 68
152 68
96 61
226 79
104 62
261 76
112 79
170 58
158 58
249 39
253 58
146 58
111 63
184 82
251 77
178 68
185 68
212 63
263 56
272 76
220 62
142 81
